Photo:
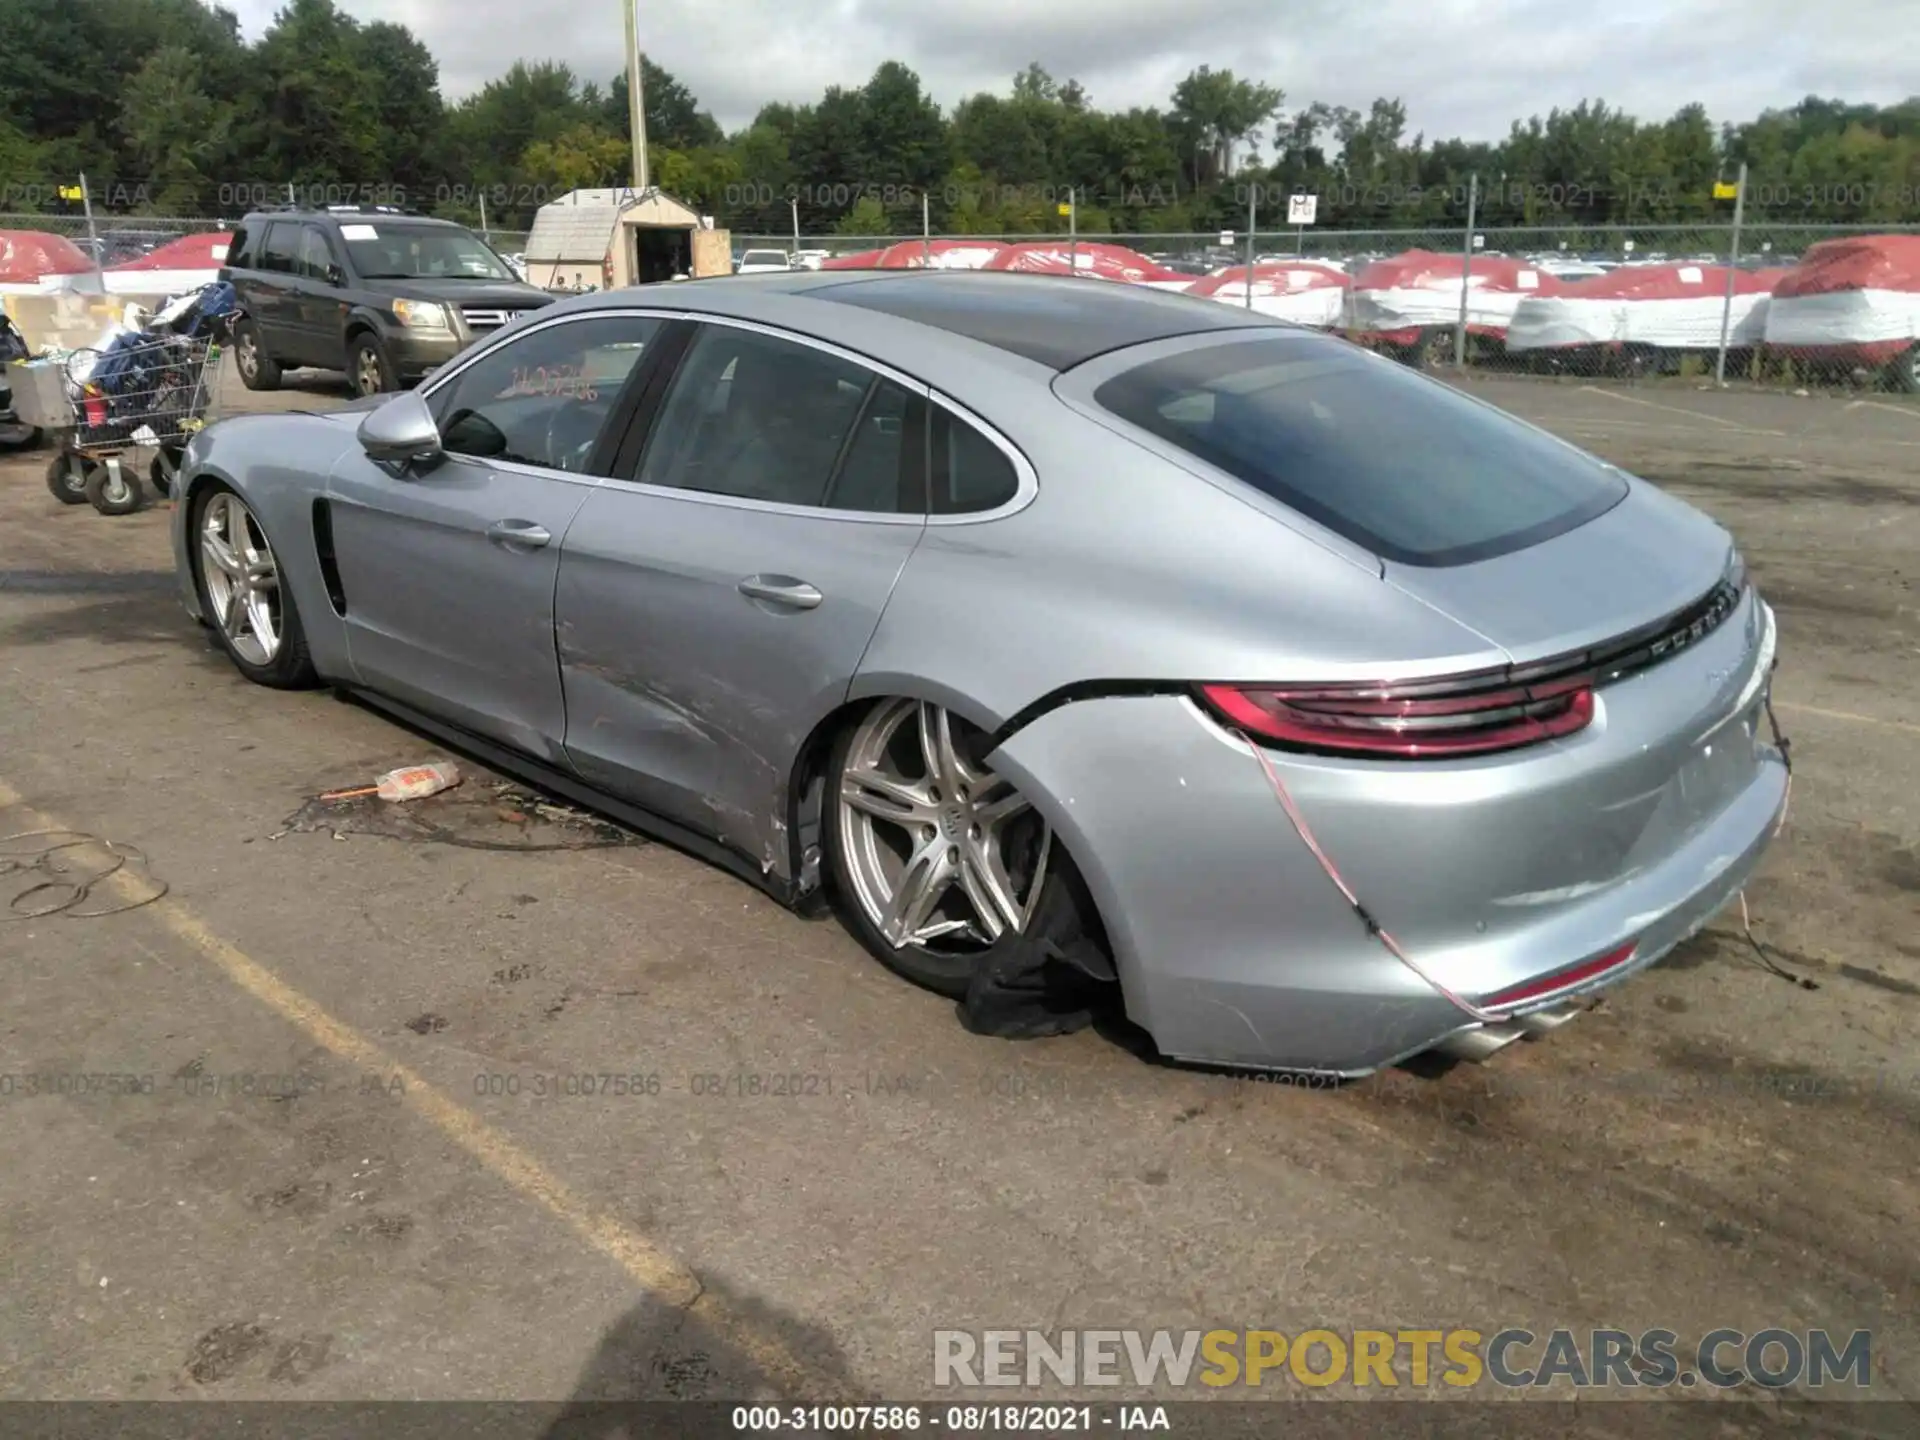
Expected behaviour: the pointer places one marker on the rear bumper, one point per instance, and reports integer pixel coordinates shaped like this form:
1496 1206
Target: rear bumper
1235 949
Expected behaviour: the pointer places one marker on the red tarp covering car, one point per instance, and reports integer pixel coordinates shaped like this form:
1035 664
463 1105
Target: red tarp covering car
1088 258
863 260
173 268
36 260
1665 307
939 254
1302 291
1397 300
1855 300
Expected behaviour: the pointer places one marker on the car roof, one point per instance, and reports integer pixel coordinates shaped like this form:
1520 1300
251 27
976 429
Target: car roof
351 217
1052 321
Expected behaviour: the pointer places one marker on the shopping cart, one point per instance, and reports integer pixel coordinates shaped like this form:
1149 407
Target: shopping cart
147 392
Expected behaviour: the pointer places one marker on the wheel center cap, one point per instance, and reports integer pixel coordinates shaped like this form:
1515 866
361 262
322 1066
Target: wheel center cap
952 821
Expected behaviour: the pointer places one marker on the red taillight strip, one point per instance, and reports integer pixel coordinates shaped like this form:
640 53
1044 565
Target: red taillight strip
1468 725
1561 979
1478 713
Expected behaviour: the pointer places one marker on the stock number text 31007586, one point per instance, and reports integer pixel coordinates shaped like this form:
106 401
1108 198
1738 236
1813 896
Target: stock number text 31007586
959 1419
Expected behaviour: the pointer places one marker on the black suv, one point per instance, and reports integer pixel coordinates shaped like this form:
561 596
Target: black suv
386 296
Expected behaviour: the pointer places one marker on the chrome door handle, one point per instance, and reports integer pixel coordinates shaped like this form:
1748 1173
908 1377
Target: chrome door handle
781 590
518 534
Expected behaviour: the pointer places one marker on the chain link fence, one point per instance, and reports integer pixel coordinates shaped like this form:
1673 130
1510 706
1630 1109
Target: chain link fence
1634 304
117 239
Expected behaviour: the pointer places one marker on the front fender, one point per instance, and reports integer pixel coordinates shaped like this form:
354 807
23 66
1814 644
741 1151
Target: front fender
278 465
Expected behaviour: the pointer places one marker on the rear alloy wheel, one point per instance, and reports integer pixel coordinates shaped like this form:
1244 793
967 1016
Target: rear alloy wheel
937 859
242 596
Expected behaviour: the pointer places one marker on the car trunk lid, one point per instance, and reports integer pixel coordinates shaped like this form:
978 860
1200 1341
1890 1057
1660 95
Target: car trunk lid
1645 560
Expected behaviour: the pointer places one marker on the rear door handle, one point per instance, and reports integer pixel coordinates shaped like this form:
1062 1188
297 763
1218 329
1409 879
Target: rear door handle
518 534
781 590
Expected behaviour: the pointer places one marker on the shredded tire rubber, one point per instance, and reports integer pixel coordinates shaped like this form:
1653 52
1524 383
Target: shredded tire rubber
1054 979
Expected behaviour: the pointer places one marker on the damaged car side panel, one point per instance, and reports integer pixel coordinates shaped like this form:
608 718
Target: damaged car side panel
687 695
1234 946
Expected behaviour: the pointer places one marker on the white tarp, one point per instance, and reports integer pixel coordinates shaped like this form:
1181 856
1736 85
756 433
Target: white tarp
1844 317
1690 322
1321 306
1857 293
1418 307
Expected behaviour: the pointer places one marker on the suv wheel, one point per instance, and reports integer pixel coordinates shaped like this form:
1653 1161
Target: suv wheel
258 371
367 367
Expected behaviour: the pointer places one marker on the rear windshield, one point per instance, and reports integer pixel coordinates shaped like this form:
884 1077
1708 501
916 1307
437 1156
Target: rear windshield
1401 464
764 257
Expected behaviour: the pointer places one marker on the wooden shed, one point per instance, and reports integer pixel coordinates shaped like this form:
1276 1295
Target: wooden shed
611 238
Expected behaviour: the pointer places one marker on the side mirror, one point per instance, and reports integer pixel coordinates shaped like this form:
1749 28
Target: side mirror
401 432
336 276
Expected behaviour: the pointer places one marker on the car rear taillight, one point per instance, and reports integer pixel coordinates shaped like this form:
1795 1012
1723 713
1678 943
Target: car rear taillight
1434 719
1561 979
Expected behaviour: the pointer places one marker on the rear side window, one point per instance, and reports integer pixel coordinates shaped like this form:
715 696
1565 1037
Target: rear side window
1401 464
240 249
970 472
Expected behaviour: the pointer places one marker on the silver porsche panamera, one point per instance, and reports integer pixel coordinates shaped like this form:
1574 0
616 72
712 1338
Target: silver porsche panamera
1352 716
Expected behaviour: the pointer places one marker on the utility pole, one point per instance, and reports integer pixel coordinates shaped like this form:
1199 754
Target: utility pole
1466 271
636 99
1733 271
93 234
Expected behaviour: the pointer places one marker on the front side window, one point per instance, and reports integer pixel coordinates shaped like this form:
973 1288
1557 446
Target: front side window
385 251
1407 467
545 397
760 418
315 258
281 252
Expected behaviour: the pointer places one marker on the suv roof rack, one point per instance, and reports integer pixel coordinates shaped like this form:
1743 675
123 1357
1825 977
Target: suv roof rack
286 207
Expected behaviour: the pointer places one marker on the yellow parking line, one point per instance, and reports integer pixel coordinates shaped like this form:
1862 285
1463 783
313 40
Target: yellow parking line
645 1263
1847 715
1673 409
1907 410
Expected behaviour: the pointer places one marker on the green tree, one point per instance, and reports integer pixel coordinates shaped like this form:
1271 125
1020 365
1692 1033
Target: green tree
1213 111
175 132
583 156
404 81
674 116
315 120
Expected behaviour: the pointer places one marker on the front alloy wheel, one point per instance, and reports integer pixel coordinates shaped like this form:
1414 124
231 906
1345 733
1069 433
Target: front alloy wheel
241 578
942 856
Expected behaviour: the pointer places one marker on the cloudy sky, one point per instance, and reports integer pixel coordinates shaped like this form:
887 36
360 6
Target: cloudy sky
1464 67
